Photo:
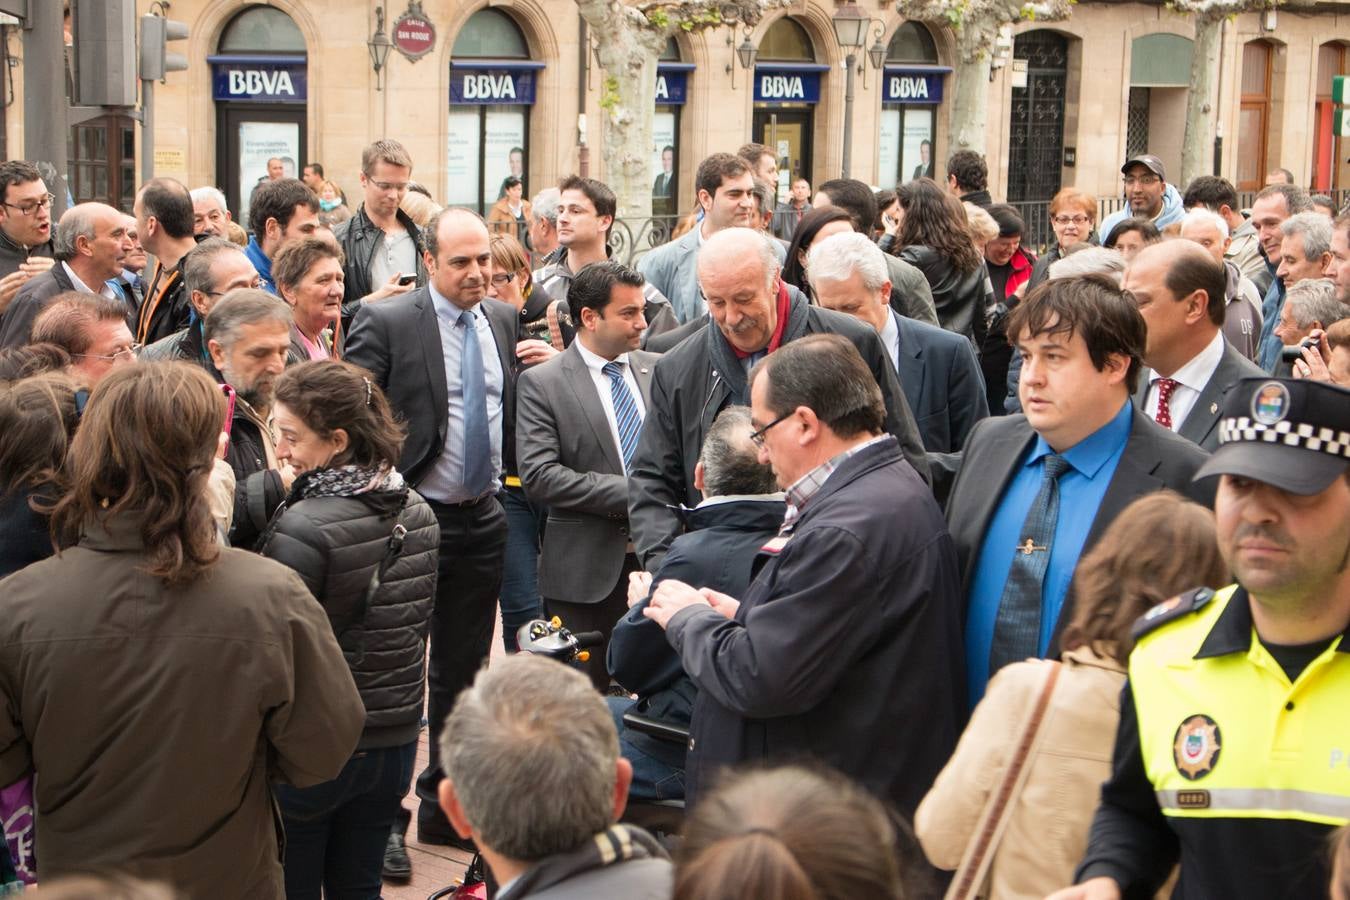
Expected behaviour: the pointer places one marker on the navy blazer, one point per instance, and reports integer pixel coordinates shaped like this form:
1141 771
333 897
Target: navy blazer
941 379
399 341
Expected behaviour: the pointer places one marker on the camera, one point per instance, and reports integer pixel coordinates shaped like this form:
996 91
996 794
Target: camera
1295 353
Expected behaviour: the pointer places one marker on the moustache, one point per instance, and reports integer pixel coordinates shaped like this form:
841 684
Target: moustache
1265 533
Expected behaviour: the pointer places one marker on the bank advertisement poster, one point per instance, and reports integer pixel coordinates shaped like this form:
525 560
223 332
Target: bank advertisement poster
259 142
503 150
462 157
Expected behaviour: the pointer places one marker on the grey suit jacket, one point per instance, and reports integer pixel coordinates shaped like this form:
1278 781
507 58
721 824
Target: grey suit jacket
16 326
1154 459
1202 422
571 463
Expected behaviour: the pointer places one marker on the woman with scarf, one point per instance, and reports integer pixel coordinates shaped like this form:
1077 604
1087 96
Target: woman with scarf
365 545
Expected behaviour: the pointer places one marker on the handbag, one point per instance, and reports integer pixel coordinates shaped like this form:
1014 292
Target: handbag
970 875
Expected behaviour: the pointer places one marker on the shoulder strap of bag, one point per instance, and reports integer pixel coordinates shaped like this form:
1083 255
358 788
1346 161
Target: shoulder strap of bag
392 550
979 854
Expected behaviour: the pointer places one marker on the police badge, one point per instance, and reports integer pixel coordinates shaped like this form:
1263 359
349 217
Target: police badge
1195 748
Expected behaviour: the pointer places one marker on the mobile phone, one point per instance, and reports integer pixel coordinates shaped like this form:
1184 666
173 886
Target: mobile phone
229 407
406 279
1295 353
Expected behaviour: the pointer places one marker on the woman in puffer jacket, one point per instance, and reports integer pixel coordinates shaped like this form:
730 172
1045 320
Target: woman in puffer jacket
365 544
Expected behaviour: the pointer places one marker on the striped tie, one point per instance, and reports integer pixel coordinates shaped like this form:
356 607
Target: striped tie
625 412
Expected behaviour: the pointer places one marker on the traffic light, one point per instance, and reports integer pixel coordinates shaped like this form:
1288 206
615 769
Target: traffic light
105 53
156 60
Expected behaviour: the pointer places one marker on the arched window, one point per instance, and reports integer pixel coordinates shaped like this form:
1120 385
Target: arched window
912 44
786 41
261 29
490 34
1254 115
672 51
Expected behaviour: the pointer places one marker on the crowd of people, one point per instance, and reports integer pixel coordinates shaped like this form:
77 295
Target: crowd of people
923 564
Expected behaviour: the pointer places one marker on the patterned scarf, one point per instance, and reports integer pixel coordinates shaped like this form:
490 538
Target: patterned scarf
345 481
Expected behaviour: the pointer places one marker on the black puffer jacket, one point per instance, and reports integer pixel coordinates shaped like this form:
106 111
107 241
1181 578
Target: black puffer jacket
335 544
960 297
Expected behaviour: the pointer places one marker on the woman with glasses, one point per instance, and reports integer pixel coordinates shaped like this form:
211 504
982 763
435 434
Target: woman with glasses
1073 218
365 544
308 274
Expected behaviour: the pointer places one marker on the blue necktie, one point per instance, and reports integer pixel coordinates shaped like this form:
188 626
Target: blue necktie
473 384
625 412
1017 628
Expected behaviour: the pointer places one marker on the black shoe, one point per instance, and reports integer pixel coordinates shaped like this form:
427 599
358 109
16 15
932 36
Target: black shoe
440 838
397 865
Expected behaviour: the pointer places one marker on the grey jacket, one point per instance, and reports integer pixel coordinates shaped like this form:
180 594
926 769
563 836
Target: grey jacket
555 279
911 295
621 861
673 270
570 463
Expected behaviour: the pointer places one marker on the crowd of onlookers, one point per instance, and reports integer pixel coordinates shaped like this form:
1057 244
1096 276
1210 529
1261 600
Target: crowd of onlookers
868 501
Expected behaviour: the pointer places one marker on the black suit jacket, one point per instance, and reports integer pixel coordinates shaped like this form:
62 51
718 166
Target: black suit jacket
16 328
941 380
1202 422
399 341
1154 459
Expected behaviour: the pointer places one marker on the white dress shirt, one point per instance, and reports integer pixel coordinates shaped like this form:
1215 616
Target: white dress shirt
890 339
105 289
1191 380
595 364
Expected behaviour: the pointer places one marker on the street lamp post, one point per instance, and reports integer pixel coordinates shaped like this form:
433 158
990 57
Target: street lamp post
850 30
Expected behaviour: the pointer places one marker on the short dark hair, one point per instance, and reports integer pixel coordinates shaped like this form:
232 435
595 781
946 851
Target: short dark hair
1008 219
168 200
669 147
826 374
1296 199
1211 192
329 394
599 193
593 286
969 169
752 153
275 200
716 169
316 168
511 181
16 171
855 198
1092 307
1284 173
1147 230
1192 272
199 260
69 319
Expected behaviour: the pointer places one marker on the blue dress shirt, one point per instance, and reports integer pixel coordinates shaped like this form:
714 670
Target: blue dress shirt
255 255
1092 463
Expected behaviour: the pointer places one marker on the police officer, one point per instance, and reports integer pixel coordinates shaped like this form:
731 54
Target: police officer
1233 751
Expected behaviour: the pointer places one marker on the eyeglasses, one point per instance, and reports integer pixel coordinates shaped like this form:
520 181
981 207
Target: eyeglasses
1070 220
124 353
758 436
503 278
32 206
1141 180
255 284
391 186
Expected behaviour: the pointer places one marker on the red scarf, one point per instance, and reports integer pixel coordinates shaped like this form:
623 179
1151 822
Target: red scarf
784 304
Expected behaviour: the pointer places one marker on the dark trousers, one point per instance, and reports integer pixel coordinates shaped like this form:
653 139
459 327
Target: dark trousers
468 581
336 831
601 617
520 574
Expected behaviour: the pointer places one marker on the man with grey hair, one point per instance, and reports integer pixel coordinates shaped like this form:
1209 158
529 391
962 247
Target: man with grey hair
752 314
1310 304
742 508
533 775
1242 300
210 271
938 371
543 227
90 246
248 334
1273 205
210 213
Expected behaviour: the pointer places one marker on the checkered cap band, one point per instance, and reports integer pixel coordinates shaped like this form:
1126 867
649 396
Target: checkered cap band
1286 434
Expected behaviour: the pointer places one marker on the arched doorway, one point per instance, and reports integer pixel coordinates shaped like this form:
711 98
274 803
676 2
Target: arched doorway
492 86
260 86
911 90
787 89
1036 145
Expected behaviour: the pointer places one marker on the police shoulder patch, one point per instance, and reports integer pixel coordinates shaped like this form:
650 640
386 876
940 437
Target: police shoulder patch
1170 610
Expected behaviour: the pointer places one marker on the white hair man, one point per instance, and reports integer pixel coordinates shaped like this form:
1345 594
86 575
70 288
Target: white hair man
544 223
1242 299
937 369
210 213
1310 304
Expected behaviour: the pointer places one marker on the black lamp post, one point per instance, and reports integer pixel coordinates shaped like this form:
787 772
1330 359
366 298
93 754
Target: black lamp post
379 45
850 30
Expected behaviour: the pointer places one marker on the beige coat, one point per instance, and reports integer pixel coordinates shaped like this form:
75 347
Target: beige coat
1047 830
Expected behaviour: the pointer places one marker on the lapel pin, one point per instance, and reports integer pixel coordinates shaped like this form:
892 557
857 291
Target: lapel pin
1213 408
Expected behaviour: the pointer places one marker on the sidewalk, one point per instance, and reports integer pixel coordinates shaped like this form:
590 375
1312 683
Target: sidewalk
433 867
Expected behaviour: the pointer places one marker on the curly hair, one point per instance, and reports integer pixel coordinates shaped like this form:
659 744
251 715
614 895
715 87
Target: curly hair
934 218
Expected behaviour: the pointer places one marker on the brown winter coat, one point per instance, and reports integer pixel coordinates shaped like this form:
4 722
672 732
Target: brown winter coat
156 719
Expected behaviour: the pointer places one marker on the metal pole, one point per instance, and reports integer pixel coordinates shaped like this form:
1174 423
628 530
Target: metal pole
44 93
848 114
147 130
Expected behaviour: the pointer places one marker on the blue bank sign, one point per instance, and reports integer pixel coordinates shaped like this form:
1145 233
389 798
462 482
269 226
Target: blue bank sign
671 86
265 80
911 86
495 84
787 85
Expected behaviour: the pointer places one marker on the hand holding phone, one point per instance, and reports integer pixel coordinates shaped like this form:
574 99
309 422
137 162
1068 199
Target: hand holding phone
407 279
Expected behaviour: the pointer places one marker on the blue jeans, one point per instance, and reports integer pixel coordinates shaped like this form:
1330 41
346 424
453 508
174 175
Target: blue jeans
519 599
336 831
653 779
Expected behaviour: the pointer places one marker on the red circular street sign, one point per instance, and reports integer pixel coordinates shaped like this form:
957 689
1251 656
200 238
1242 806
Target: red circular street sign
414 35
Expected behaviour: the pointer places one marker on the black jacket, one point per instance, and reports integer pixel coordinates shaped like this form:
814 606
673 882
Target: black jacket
718 551
185 345
960 297
13 255
16 326
25 535
172 313
846 648
360 238
336 544
695 381
258 490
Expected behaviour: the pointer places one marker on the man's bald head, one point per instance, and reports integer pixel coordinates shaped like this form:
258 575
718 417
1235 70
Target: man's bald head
458 256
735 248
1183 267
